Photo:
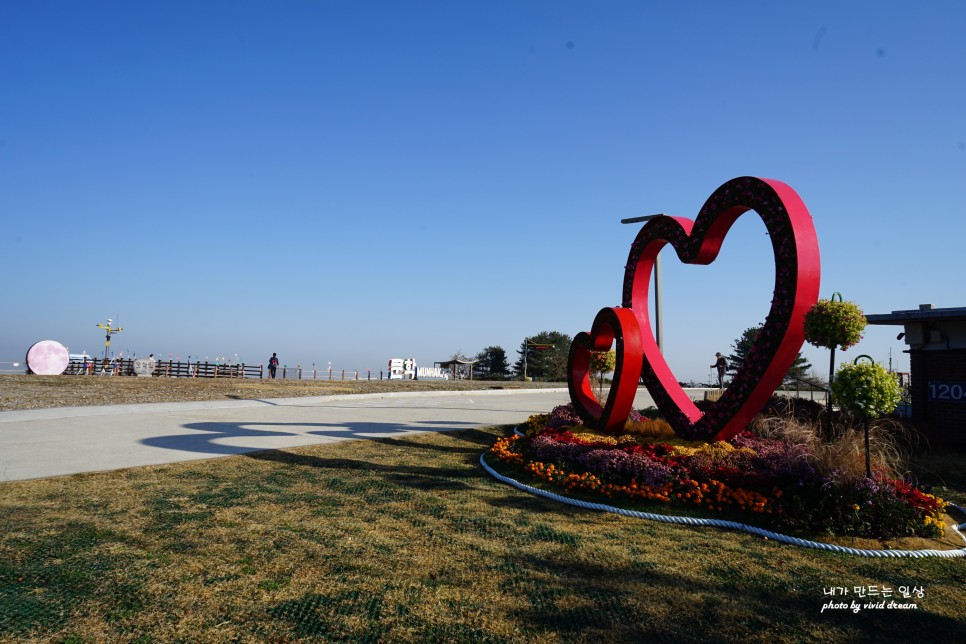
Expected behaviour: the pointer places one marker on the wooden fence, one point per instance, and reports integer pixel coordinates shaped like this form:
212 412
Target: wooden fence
177 369
166 369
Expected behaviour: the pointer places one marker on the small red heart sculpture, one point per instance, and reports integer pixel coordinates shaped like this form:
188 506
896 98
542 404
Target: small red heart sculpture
619 326
797 271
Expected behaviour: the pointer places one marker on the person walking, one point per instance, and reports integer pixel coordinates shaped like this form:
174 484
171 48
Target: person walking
721 364
272 365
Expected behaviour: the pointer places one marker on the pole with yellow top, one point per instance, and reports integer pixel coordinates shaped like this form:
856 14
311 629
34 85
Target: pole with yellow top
107 340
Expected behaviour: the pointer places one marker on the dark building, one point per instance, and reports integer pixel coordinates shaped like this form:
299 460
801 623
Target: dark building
937 361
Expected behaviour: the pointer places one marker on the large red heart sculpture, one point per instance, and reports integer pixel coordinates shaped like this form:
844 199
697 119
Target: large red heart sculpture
797 271
610 325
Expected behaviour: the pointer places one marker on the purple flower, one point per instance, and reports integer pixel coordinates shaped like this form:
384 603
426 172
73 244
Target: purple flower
617 463
564 416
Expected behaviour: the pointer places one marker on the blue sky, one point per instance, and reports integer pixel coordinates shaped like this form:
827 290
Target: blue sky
347 182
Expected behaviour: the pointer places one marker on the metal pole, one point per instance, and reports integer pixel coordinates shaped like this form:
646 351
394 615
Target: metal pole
526 348
658 326
828 395
868 458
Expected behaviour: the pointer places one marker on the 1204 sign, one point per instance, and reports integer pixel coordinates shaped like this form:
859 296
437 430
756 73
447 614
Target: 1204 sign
947 391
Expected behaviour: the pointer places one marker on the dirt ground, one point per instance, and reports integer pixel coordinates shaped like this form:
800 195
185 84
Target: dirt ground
36 392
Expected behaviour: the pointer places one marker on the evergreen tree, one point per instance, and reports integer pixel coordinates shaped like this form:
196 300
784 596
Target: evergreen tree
491 363
741 346
545 363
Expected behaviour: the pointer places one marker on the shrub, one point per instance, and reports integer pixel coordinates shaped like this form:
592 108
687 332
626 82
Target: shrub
651 412
646 428
564 416
801 409
602 362
535 423
587 437
842 455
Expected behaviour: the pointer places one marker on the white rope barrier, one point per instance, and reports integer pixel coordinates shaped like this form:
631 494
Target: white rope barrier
732 525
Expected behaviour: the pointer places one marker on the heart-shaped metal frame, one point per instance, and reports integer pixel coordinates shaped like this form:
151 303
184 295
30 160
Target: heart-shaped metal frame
620 327
797 273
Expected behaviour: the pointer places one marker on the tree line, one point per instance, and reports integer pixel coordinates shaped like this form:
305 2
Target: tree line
544 357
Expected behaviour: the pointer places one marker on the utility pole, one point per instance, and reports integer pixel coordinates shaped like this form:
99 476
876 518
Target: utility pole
526 349
107 340
540 346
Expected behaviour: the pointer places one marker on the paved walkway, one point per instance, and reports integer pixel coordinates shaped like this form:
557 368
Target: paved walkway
53 442
40 443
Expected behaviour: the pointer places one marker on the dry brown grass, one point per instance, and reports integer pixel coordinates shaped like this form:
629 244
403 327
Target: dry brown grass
400 540
34 392
408 540
890 444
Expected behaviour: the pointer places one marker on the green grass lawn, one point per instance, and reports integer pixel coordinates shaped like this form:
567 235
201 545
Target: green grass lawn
408 539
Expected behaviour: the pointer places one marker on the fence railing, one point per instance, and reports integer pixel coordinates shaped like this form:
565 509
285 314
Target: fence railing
12 367
299 373
165 369
811 387
178 369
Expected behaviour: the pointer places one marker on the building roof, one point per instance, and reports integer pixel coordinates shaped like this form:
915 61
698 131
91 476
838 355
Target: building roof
450 363
925 313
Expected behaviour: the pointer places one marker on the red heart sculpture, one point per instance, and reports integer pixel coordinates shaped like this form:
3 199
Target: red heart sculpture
797 270
611 325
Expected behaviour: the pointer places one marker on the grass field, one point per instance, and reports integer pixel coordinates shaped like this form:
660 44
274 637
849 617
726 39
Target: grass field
408 540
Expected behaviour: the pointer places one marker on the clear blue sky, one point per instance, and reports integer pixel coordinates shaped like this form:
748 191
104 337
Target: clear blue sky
347 182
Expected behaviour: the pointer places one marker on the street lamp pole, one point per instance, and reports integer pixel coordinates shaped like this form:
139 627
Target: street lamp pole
539 346
658 326
526 349
107 341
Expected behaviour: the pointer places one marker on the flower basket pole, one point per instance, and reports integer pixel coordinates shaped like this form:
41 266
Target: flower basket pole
831 365
869 391
865 427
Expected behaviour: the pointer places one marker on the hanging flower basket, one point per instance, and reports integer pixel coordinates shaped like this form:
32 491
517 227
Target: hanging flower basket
866 390
834 323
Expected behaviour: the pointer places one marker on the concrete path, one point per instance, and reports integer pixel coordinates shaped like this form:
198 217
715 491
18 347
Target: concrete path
40 443
53 442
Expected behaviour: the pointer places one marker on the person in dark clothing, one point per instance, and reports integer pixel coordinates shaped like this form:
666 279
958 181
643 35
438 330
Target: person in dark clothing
721 364
272 365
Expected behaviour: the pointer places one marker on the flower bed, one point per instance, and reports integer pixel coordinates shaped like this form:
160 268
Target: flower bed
774 480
